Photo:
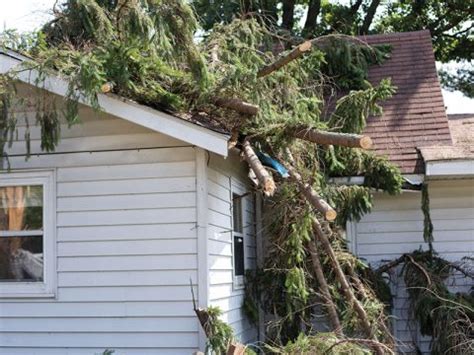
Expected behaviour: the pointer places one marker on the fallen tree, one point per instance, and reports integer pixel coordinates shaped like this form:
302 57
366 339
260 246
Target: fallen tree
272 103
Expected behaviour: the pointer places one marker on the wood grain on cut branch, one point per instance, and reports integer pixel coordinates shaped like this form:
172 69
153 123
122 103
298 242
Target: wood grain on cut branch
237 105
332 138
294 54
313 198
346 287
324 288
262 174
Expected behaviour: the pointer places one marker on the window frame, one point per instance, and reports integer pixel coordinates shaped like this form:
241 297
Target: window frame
237 189
46 288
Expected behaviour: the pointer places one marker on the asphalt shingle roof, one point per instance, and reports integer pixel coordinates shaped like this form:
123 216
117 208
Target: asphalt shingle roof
415 116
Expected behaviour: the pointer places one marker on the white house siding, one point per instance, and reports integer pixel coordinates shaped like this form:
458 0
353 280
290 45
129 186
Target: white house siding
396 226
222 176
126 245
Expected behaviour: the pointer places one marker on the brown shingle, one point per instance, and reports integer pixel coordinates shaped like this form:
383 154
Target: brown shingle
415 116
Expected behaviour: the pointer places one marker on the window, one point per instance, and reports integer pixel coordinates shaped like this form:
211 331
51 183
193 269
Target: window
26 234
238 240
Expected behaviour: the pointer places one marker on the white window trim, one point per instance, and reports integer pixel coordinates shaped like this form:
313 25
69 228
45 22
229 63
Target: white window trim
47 288
237 188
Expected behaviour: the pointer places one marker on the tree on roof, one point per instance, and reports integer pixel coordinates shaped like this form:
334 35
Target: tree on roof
450 23
275 105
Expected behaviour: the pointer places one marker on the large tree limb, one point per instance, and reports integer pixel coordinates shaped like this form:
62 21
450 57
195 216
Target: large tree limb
262 174
282 61
334 138
313 198
346 287
324 288
238 105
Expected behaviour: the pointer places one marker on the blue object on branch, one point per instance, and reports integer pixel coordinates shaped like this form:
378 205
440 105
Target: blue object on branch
273 163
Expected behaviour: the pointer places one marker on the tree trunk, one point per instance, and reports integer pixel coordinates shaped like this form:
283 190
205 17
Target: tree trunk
333 138
288 17
346 287
355 7
265 179
238 105
311 195
282 61
324 289
314 8
369 17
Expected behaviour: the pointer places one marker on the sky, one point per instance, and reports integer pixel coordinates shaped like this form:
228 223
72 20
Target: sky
27 15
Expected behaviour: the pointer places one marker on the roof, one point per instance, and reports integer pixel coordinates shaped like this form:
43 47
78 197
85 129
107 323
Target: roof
462 133
201 132
415 116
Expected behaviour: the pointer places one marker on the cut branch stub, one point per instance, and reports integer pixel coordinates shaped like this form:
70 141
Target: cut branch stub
294 54
313 198
332 138
238 106
262 174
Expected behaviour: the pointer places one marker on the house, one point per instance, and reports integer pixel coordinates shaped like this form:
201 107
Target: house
109 231
137 206
428 147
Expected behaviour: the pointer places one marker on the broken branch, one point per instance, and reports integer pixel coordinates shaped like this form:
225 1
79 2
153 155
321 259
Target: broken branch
311 195
346 287
238 105
262 174
294 54
333 138
324 288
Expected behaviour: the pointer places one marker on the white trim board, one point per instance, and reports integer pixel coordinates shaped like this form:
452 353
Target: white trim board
450 168
128 110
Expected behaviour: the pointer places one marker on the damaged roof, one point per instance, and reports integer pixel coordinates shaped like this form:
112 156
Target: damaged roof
415 116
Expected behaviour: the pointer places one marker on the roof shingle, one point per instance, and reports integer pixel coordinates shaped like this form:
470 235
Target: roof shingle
415 116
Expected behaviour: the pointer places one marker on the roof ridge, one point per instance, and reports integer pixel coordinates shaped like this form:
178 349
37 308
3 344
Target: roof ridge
389 35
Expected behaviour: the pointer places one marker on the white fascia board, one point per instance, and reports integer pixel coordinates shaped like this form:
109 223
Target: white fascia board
450 168
141 115
414 179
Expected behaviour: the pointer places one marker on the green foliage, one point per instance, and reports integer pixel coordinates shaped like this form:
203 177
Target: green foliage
445 316
351 202
353 109
347 61
381 174
462 79
449 21
145 51
220 334
322 343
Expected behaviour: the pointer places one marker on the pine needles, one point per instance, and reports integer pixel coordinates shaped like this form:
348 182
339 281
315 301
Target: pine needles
145 50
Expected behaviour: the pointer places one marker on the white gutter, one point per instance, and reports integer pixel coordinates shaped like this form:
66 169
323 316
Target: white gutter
412 179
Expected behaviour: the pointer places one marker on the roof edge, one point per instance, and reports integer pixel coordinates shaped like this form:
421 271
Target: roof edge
126 109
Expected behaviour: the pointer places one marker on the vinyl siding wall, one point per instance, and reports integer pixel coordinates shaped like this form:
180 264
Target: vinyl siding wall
224 176
126 244
396 226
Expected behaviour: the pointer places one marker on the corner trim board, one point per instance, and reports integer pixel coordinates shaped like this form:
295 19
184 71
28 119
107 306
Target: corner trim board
202 240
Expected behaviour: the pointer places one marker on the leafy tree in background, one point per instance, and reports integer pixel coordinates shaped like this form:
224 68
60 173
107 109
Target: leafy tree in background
450 22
